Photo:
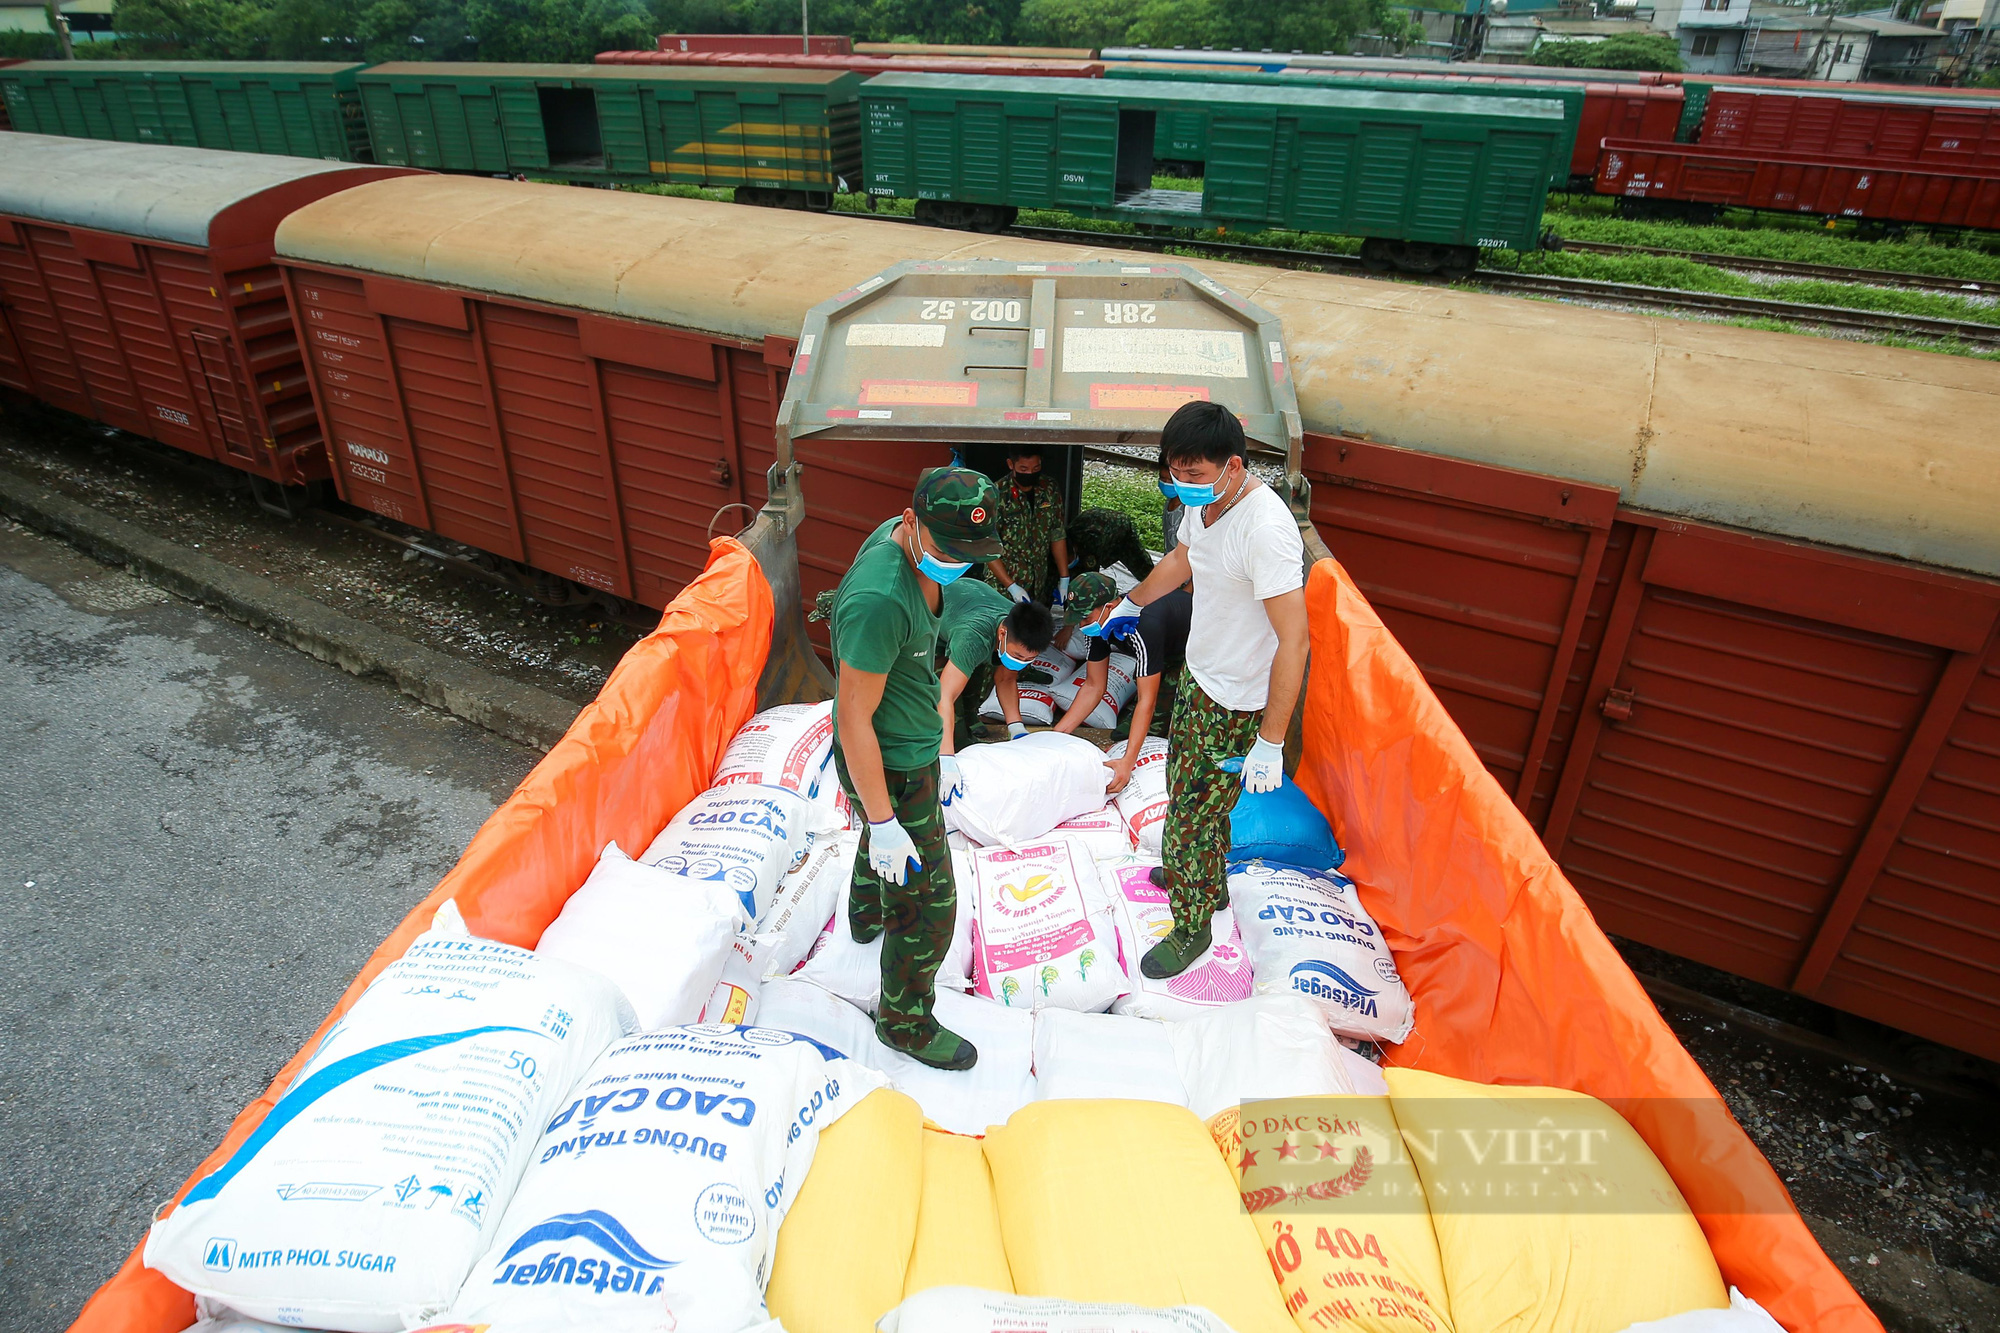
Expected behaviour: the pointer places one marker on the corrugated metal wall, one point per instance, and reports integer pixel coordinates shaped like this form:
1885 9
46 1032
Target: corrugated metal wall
1774 758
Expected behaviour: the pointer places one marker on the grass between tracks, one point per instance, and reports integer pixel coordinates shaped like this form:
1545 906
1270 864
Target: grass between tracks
1134 491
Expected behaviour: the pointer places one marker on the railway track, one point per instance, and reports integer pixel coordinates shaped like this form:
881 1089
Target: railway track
1873 277
1539 284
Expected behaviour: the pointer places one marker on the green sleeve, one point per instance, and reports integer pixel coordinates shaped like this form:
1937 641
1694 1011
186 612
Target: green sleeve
972 644
873 628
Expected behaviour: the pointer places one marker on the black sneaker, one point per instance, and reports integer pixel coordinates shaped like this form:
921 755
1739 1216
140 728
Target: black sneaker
1174 954
944 1050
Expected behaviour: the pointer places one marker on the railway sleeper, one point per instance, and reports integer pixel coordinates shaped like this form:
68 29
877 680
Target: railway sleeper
1379 255
965 217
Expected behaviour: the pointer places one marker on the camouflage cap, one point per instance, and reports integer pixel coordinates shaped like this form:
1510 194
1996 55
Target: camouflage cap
1089 594
962 510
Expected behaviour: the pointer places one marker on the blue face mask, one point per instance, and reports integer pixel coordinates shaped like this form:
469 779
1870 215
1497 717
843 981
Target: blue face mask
1090 631
1169 489
1011 662
940 572
1195 496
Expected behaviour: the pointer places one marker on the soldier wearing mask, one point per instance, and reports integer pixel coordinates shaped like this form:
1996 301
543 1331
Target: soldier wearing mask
1034 551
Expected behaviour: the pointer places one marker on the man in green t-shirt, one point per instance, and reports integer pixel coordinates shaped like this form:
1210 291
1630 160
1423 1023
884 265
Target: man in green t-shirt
886 735
984 643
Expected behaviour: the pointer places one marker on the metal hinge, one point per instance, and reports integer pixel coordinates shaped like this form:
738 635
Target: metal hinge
720 471
1617 704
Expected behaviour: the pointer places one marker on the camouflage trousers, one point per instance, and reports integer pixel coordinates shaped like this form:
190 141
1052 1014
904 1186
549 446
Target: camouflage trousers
914 919
1195 839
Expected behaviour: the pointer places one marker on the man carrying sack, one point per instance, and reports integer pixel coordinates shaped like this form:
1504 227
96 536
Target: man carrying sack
1246 661
886 735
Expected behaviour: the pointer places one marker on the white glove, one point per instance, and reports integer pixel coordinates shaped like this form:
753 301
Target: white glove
1062 591
1264 766
1016 730
891 854
1124 620
950 781
1018 593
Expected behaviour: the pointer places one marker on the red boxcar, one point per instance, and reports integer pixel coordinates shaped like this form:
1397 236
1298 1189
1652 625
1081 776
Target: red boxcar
776 44
526 417
1047 69
136 288
1955 135
1700 174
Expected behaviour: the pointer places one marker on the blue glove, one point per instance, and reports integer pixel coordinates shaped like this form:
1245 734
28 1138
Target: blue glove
1264 767
1124 620
950 781
1016 730
1062 591
1018 593
891 854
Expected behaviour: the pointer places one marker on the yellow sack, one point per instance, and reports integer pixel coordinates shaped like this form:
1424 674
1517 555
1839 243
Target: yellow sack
1552 1214
845 1244
958 1224
1128 1201
1340 1211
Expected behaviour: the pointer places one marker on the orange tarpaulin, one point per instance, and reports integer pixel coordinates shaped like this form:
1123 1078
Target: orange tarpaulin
1513 980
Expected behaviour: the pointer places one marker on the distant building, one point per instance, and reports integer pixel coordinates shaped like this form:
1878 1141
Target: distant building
1791 42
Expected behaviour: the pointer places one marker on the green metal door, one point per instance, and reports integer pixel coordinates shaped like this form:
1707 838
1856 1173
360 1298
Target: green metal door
1237 181
1086 152
1031 161
521 126
482 129
621 131
1388 160
1321 181
680 137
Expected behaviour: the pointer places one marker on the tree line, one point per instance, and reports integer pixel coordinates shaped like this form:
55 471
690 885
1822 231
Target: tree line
576 30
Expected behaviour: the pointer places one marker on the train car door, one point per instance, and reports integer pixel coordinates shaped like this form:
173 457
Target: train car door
217 388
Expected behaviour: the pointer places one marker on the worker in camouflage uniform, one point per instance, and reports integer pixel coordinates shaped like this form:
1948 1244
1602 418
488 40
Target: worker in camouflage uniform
1246 662
1101 538
886 735
985 641
1157 646
1034 556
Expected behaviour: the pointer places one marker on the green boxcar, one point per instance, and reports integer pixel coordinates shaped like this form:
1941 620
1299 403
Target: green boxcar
246 106
1428 177
777 136
1181 137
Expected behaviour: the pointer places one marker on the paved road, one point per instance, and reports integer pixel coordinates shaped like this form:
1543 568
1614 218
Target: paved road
202 835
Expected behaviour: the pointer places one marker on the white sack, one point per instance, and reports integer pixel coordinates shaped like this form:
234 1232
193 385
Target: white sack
1266 1046
657 1189
1101 831
734 999
1016 791
806 897
787 746
1040 934
970 1310
1742 1316
1087 1056
1073 643
661 937
854 971
966 1101
1307 932
1363 1073
1120 681
745 835
1143 916
1143 801
379 1177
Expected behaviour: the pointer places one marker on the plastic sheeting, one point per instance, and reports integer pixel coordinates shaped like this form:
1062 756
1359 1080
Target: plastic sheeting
1514 982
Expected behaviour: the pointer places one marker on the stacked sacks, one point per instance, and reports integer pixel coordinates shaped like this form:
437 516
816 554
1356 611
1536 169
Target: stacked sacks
1143 802
789 746
1121 682
657 1193
746 835
1017 790
1035 690
1142 915
365 1195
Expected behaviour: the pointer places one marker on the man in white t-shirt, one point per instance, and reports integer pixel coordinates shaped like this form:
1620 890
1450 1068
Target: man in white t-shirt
1246 661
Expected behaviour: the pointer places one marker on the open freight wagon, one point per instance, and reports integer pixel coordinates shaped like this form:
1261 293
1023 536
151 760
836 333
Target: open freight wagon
1512 981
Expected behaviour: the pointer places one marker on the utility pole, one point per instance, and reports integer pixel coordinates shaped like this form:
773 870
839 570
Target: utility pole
805 27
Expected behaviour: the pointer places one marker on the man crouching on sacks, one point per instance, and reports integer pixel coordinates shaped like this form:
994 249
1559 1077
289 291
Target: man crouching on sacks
886 734
1246 660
